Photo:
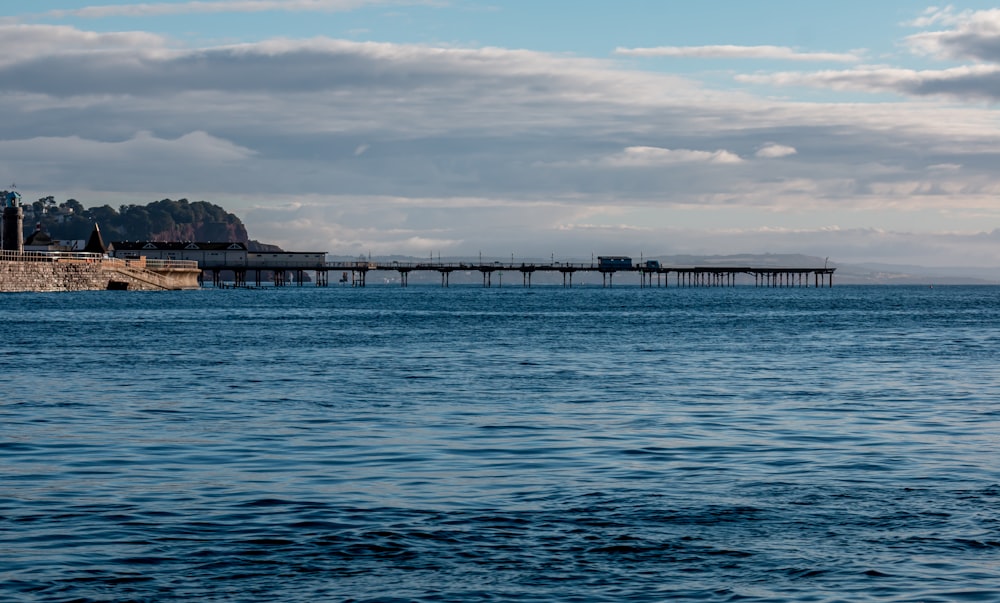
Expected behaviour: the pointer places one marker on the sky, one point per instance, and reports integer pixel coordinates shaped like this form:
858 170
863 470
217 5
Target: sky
858 131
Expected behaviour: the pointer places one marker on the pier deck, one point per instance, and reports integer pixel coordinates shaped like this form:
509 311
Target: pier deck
355 273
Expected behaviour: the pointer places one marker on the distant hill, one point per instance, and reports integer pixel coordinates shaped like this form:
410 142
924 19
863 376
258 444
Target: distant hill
164 220
771 260
896 274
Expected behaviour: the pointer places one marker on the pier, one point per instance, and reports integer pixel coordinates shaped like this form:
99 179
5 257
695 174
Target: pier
291 267
355 273
660 276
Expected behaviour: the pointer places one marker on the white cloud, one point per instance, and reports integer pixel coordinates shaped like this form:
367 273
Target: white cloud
647 157
325 65
144 147
968 81
945 167
655 156
969 36
781 53
933 15
973 35
157 9
775 151
143 162
25 42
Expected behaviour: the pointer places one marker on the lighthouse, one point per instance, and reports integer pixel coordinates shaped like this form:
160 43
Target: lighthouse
13 223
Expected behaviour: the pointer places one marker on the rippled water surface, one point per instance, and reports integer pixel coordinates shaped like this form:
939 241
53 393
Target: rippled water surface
467 444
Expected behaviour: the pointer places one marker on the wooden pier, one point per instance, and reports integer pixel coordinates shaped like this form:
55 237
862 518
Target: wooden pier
355 273
291 267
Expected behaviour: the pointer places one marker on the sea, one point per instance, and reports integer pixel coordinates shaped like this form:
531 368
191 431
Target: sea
390 444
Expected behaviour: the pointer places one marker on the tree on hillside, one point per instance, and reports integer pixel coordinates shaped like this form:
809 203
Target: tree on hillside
73 205
105 215
166 218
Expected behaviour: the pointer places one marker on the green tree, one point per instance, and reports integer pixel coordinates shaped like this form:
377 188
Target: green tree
137 222
133 222
72 204
105 216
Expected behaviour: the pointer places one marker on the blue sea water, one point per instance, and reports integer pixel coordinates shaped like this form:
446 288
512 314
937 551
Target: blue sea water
469 444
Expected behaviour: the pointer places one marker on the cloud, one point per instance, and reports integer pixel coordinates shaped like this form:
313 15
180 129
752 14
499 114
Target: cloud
945 167
968 36
460 117
26 42
782 53
966 82
973 35
655 156
933 15
775 151
143 162
143 147
647 157
316 65
159 9
347 146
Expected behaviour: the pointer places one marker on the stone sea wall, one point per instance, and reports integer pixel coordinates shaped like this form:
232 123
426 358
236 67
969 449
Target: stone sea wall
93 275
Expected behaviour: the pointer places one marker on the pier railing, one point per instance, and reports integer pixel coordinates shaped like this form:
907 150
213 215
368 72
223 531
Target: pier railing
171 264
90 258
481 266
48 256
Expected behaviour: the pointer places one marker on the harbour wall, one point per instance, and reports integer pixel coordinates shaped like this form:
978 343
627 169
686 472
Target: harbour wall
90 275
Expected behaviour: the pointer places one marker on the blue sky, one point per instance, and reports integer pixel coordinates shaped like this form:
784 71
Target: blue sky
859 131
585 28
